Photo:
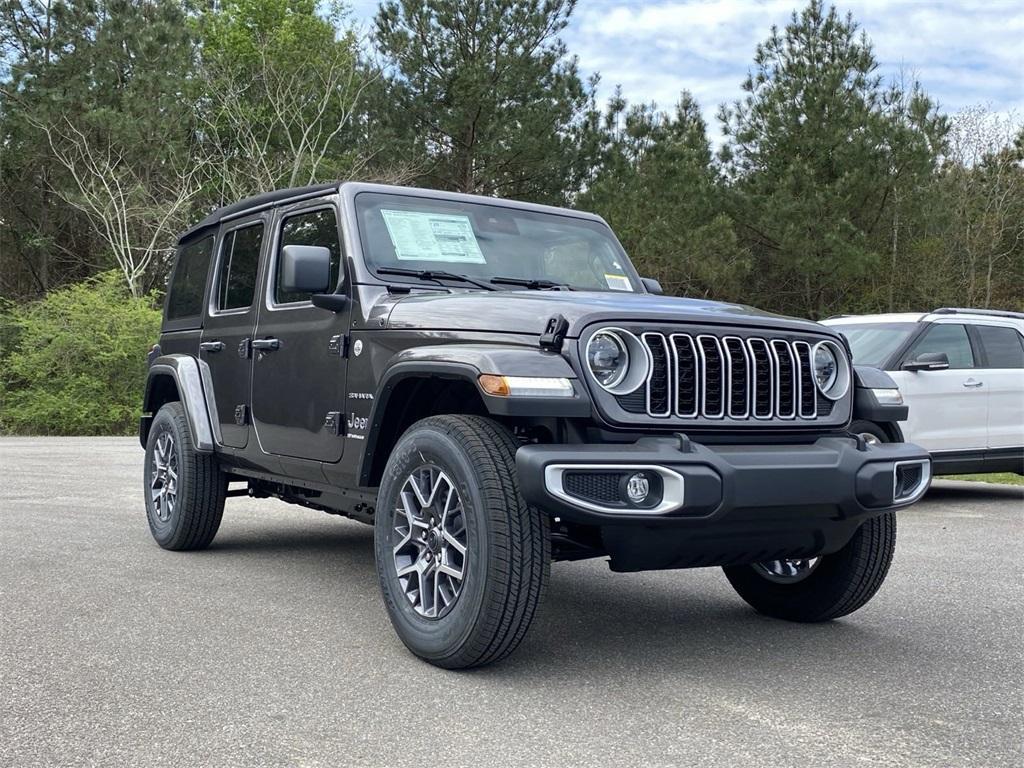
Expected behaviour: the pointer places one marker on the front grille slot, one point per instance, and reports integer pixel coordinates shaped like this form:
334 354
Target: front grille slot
808 407
658 398
713 384
738 366
735 378
763 374
686 375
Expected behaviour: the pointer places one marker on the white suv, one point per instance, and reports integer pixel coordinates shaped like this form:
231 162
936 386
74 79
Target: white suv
961 371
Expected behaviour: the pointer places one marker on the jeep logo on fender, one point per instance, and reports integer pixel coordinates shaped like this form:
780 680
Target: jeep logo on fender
358 423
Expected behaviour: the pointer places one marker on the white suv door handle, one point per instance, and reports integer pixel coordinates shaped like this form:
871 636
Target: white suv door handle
973 383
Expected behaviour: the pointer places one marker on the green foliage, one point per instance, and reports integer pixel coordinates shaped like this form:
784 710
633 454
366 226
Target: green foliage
818 151
655 184
73 363
488 91
282 80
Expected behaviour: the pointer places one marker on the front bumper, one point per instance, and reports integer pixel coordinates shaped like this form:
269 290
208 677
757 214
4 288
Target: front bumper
728 504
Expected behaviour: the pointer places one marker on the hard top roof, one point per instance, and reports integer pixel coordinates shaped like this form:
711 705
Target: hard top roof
269 199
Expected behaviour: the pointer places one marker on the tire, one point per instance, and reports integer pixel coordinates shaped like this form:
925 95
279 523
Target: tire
189 517
839 584
866 428
482 617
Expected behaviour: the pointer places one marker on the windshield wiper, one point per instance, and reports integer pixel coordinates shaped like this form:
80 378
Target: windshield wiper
434 276
533 284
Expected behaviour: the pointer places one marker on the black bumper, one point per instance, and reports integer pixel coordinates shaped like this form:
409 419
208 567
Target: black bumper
738 503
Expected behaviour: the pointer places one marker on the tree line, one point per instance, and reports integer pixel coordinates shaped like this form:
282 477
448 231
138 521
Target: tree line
834 189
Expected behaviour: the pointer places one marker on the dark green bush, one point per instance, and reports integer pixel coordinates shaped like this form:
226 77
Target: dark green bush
74 363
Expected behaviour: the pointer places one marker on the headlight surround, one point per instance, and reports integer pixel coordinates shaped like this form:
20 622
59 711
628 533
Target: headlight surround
830 369
617 360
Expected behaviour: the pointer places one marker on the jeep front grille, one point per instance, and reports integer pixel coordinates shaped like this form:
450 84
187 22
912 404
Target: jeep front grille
705 376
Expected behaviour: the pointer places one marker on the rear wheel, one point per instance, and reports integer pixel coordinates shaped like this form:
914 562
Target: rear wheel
185 489
461 558
825 587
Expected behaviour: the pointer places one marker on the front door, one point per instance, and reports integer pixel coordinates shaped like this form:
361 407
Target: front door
229 325
298 393
949 408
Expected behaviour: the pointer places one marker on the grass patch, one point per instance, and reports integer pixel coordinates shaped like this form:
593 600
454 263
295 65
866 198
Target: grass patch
1003 478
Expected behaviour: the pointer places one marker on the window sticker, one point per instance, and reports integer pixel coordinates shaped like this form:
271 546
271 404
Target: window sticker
618 282
421 236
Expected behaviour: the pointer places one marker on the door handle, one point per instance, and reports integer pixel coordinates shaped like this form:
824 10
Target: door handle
212 346
266 345
973 383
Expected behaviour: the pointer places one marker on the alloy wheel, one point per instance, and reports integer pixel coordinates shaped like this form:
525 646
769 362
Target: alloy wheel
787 571
430 552
163 483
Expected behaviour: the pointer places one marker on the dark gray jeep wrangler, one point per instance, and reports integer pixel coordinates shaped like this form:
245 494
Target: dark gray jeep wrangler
492 386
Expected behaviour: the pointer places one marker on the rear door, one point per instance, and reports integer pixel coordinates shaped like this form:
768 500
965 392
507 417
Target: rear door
948 409
298 388
229 326
1002 358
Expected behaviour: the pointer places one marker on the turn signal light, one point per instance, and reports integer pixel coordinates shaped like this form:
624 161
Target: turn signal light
525 386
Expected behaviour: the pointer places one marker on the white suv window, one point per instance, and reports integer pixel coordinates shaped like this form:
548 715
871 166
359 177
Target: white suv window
950 339
1003 348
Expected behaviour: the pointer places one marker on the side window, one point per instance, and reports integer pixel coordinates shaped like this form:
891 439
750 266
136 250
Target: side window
950 339
1003 347
188 284
318 227
239 261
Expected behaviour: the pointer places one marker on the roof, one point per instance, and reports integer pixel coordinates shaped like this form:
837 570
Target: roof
894 317
256 202
937 314
351 188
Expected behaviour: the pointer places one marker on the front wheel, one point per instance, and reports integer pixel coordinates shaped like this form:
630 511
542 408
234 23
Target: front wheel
825 587
462 559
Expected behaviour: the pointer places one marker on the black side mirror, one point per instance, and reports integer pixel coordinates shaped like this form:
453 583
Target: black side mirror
652 285
928 361
305 269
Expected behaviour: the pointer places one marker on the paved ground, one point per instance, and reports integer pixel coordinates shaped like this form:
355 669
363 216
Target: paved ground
272 648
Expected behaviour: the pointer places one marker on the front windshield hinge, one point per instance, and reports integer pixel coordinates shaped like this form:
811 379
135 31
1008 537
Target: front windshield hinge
554 333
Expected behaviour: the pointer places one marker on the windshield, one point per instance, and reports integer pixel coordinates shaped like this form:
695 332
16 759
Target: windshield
874 343
490 241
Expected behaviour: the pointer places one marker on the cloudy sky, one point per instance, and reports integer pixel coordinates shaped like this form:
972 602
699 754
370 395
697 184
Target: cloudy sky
964 52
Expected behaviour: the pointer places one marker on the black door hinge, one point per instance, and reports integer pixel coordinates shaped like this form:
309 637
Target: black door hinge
245 349
338 345
241 415
333 423
554 333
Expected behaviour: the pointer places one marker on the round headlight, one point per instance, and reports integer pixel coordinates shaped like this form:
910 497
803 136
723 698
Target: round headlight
607 358
831 373
825 365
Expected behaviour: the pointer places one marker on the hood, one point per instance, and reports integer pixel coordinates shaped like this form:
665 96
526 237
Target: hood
528 311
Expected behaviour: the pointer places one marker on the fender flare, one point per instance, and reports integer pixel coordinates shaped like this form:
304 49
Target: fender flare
185 371
866 405
467 362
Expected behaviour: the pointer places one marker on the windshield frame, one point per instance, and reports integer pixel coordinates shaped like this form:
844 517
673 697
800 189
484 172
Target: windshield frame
412 196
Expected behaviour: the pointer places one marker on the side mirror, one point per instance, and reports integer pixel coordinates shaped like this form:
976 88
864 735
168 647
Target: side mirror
305 269
928 361
652 285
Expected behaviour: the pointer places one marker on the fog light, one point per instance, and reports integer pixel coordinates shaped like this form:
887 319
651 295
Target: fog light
638 488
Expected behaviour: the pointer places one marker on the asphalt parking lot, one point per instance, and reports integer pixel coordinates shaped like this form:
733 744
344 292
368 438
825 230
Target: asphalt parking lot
272 648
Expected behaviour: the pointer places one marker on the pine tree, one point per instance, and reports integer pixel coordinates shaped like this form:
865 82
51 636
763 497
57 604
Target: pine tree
488 92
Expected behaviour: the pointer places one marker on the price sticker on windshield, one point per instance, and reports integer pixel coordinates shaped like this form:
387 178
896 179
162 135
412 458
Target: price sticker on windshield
423 236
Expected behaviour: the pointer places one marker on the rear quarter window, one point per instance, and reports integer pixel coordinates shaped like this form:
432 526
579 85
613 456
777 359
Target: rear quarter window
188 283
